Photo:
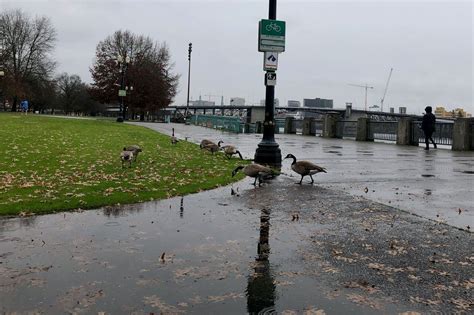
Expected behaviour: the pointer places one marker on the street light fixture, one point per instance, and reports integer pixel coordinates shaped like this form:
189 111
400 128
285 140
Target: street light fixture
123 64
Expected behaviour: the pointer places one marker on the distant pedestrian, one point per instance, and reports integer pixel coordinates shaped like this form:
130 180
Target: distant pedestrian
24 106
428 126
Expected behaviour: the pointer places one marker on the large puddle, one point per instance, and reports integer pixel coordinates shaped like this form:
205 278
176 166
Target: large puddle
204 253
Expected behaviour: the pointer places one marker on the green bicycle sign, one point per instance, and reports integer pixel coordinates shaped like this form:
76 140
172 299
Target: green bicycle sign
271 35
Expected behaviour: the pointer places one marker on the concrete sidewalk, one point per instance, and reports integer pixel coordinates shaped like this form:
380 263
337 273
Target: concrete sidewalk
436 184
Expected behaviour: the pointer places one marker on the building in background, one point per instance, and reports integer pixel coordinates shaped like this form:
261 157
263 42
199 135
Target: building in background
441 112
294 104
237 101
200 102
318 103
402 110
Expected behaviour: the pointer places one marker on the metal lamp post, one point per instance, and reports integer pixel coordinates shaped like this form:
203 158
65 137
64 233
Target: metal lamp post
128 90
123 64
268 151
2 73
190 49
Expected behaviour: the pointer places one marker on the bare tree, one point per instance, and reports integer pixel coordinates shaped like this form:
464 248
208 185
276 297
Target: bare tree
27 44
149 71
73 96
69 88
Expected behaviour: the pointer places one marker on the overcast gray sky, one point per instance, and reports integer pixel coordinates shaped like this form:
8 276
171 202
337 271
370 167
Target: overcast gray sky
329 44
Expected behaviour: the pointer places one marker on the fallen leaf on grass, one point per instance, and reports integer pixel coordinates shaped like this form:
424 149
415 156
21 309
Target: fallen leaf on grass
25 214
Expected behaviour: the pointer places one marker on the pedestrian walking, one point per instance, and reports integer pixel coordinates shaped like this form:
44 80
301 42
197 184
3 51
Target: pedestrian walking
24 106
428 127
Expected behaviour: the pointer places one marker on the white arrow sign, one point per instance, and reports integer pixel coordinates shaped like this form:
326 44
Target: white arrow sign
270 61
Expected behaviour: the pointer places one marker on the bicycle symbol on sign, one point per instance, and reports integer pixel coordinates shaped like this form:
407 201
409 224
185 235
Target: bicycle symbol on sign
273 27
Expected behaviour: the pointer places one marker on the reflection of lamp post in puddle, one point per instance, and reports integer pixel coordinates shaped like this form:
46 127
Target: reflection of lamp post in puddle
181 208
260 286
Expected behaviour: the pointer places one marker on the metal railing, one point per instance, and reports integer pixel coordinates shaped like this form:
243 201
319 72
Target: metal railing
382 130
346 129
317 127
471 130
280 125
297 126
443 133
227 123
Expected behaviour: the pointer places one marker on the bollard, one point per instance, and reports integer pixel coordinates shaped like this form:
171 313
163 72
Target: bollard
362 129
258 127
463 134
289 125
329 126
405 132
307 126
246 128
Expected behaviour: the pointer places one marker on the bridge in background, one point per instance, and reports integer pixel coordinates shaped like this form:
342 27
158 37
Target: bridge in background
346 123
253 113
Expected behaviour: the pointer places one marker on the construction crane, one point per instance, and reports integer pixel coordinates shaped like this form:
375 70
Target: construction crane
366 87
385 92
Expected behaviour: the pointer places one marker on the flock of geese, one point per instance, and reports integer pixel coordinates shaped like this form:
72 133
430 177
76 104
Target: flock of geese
254 170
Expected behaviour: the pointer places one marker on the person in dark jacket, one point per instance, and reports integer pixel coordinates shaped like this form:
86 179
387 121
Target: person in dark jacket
428 126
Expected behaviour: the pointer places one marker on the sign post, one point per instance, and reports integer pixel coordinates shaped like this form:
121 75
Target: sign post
271 35
271 41
270 61
270 78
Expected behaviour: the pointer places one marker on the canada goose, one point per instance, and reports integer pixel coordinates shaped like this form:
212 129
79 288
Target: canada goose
213 147
174 140
230 150
135 149
205 142
126 156
305 168
254 170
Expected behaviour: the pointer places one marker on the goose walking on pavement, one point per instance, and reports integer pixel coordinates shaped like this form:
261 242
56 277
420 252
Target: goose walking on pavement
305 168
257 171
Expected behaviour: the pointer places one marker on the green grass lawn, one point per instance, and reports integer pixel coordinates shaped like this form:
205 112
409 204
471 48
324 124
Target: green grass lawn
53 164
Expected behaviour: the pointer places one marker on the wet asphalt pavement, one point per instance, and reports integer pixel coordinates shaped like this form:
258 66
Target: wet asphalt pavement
433 184
328 248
